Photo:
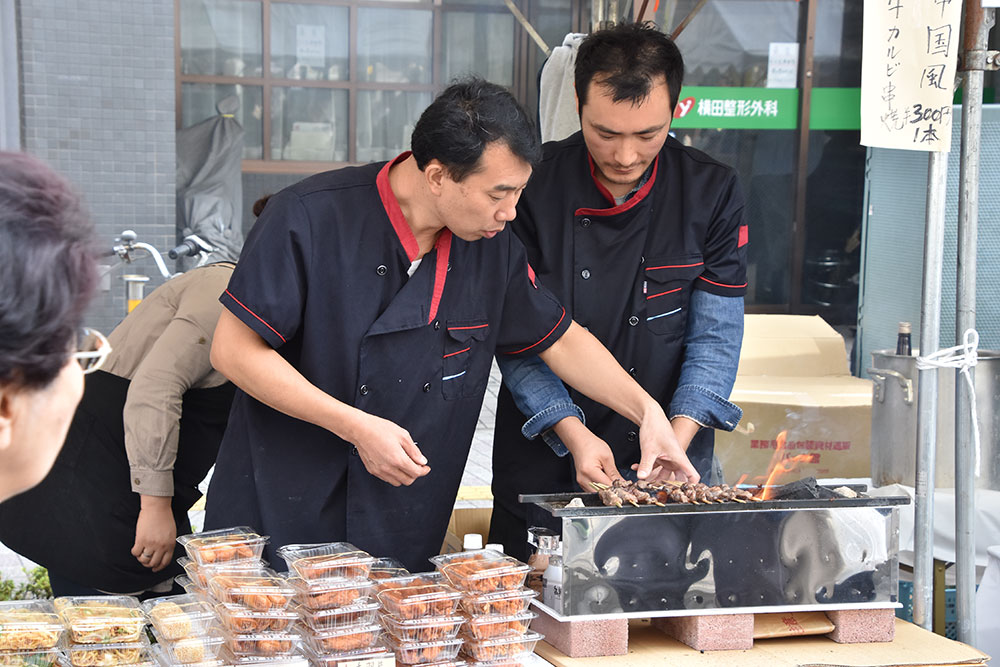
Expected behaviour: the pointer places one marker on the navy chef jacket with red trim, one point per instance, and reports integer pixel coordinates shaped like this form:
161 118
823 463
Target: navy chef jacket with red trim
626 272
323 279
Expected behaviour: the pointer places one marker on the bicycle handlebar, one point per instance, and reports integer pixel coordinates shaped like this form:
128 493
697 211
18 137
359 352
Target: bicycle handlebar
186 249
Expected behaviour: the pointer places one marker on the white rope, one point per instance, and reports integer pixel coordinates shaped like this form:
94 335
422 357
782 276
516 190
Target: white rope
962 357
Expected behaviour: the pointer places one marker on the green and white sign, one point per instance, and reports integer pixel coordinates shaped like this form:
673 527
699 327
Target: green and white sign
737 108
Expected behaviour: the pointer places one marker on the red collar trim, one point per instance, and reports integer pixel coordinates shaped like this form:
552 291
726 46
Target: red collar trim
395 213
620 208
443 247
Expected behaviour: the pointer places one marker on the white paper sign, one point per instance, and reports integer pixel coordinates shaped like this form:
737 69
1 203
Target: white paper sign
908 73
310 45
782 64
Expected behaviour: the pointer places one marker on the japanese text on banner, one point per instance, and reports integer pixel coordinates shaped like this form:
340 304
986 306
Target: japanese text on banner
908 73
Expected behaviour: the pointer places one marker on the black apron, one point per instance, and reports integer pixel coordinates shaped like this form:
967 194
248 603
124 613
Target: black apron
80 521
626 272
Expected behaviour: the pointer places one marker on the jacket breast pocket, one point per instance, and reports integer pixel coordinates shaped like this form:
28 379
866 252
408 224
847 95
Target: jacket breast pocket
667 283
466 362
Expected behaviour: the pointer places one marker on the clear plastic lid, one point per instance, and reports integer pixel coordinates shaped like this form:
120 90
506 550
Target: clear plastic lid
504 603
101 619
42 658
189 586
418 579
375 653
340 640
191 649
317 594
165 660
243 620
488 627
412 597
387 568
224 545
29 625
177 616
413 653
427 629
501 648
200 574
357 613
104 655
266 644
331 559
294 659
482 571
261 591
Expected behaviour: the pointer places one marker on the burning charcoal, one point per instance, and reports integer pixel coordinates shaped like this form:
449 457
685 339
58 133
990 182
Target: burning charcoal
803 489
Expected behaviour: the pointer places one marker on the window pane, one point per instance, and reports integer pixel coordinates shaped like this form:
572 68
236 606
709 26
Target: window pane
394 45
385 122
198 102
309 42
479 43
309 124
221 37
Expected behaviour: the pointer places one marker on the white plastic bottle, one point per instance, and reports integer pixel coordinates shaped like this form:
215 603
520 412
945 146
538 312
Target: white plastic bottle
552 579
472 541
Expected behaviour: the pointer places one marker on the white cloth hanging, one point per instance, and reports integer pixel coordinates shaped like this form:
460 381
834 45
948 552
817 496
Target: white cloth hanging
557 113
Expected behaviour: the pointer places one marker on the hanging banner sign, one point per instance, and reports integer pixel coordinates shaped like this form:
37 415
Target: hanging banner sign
909 57
737 108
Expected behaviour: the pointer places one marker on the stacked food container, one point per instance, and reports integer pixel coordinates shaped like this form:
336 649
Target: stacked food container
251 601
494 604
184 627
333 591
104 631
418 613
29 633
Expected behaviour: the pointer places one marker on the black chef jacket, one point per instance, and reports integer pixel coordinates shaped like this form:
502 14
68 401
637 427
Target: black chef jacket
323 279
626 272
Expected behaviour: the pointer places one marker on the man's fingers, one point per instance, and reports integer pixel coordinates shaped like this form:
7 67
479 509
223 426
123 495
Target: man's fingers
162 560
414 453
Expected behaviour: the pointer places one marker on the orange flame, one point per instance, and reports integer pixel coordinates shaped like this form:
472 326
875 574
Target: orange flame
782 465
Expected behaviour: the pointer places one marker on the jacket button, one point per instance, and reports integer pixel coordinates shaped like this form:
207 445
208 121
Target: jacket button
427 387
437 324
354 451
633 321
631 436
585 274
364 390
382 270
631 372
585 222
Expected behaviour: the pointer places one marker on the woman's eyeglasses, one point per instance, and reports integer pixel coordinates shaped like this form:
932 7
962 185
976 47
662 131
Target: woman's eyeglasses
92 349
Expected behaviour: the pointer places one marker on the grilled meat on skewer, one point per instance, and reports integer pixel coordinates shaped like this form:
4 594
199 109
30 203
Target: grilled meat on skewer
648 493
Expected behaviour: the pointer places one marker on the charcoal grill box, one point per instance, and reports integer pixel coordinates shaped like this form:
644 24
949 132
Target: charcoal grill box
793 376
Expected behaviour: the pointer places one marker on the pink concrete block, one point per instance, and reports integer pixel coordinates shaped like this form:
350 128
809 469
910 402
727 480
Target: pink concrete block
710 633
862 626
584 639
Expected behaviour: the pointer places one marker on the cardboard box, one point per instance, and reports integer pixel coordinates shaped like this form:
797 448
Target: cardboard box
793 376
466 520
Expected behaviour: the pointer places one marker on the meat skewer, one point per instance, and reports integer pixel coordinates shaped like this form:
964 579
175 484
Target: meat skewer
659 493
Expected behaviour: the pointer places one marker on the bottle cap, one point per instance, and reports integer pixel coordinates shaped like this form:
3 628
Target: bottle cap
493 546
904 327
472 541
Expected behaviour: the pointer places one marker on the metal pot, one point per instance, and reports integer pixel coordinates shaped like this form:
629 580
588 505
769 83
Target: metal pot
894 420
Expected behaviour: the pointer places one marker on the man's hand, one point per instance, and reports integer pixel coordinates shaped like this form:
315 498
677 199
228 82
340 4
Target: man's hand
662 456
388 451
592 457
155 533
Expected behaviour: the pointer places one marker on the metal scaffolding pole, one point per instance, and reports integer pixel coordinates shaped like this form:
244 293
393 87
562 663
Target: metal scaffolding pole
930 325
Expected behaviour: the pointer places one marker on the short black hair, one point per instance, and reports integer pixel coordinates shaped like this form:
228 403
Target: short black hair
48 270
627 58
466 117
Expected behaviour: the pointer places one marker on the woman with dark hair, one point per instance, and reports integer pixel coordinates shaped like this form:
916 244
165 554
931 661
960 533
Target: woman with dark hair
47 276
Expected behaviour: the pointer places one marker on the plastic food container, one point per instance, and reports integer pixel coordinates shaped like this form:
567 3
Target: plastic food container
488 627
224 545
200 574
105 655
262 643
419 579
178 616
329 593
503 603
351 638
482 571
242 620
101 619
293 659
264 591
322 561
410 653
428 629
29 625
190 587
353 658
415 599
500 648
387 568
358 613
43 658
191 649
161 656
